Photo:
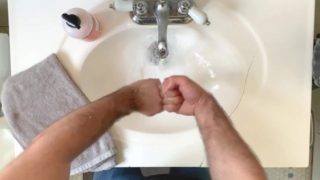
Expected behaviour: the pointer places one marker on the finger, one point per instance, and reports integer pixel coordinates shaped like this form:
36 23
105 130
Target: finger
167 85
157 82
159 85
171 108
173 100
172 93
173 82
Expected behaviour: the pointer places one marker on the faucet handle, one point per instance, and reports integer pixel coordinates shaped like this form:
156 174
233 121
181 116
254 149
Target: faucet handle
141 7
184 6
199 16
122 5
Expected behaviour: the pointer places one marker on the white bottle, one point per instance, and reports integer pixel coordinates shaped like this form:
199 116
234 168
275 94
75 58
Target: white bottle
79 23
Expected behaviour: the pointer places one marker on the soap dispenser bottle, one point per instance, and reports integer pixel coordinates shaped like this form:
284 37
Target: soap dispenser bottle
79 23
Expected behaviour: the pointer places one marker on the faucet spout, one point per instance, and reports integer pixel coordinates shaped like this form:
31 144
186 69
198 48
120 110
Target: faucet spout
162 13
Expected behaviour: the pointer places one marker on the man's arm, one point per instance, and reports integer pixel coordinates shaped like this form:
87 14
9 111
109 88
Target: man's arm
228 155
51 152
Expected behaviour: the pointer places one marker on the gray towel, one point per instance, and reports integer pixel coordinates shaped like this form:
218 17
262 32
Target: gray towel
36 98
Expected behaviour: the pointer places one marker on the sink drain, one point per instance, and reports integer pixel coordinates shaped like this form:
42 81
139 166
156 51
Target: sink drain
155 56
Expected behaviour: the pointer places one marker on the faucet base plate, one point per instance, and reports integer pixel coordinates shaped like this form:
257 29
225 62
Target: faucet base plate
149 18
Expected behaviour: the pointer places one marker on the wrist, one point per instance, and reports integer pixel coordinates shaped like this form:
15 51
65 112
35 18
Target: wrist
124 100
208 107
205 105
209 114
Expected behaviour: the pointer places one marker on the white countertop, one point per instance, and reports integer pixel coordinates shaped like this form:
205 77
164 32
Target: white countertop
7 149
36 32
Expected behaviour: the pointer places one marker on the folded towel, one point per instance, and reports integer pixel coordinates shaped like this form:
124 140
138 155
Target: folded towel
36 98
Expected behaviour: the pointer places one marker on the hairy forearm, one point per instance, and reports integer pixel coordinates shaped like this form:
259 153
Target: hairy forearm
81 128
228 155
59 144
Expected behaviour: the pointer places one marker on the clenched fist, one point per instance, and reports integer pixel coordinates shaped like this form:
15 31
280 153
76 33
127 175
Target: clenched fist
183 96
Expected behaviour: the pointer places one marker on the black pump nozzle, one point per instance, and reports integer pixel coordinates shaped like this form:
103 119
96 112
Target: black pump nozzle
72 20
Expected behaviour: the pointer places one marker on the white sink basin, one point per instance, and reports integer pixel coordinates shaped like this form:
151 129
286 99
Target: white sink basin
228 59
208 58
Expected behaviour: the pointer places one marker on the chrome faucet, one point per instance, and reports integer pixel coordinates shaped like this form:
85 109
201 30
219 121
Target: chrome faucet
162 13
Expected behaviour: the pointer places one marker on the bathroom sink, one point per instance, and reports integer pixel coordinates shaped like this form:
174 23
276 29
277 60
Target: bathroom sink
229 59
